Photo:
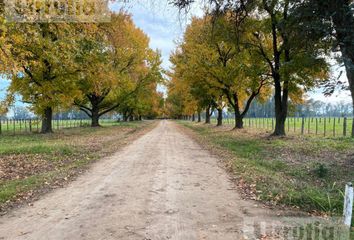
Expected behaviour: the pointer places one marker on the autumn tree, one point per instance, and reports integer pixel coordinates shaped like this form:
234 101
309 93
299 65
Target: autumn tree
292 65
44 70
215 59
116 62
40 53
200 95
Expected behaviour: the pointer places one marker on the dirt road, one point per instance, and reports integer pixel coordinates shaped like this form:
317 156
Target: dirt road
162 186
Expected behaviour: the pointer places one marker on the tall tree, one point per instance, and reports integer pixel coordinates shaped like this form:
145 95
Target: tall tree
333 21
225 67
44 70
121 52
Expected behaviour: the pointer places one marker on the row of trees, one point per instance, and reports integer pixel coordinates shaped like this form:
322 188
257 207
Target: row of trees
243 50
96 67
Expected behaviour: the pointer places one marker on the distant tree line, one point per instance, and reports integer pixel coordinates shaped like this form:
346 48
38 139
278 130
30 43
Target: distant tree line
309 108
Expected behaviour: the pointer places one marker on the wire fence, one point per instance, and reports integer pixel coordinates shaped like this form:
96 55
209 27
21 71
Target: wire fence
317 126
22 126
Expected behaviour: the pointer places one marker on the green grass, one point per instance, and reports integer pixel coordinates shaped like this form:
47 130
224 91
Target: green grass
326 127
304 172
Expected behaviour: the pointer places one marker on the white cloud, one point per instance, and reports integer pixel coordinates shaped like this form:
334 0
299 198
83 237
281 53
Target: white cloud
163 23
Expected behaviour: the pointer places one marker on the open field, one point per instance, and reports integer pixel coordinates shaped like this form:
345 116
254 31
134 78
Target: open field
307 173
311 126
33 163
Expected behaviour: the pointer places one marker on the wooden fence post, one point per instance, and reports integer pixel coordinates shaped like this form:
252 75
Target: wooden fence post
308 126
302 126
316 126
30 125
288 124
334 127
267 123
0 126
348 204
272 123
345 127
324 127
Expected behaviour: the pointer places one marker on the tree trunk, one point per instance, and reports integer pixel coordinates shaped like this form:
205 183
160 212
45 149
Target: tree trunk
343 20
238 121
125 116
199 117
140 118
95 117
281 111
193 118
219 117
47 120
207 115
131 118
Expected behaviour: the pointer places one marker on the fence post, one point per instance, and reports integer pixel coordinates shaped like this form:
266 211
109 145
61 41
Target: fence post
272 123
324 127
302 126
316 126
294 124
267 123
345 127
14 125
288 124
348 204
334 127
0 126
30 125
309 126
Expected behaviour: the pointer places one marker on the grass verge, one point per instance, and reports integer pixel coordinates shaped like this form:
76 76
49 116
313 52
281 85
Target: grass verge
32 164
307 173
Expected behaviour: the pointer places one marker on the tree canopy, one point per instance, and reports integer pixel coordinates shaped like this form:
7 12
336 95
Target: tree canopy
96 66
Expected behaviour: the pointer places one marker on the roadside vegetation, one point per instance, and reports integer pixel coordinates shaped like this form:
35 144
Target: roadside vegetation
31 164
306 173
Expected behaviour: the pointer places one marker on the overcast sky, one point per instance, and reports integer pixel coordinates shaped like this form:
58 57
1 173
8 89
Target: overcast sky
165 25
